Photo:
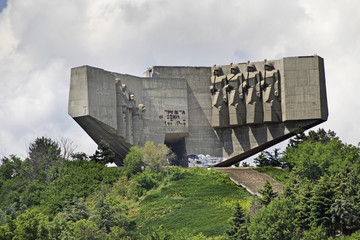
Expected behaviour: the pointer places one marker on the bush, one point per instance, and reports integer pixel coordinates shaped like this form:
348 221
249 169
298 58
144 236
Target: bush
275 221
175 173
145 181
155 157
132 161
318 233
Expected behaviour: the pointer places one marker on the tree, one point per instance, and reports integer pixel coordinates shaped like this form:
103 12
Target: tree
261 160
67 147
244 164
315 233
275 221
155 157
31 225
303 206
103 154
312 160
83 230
267 158
133 161
341 214
107 213
267 193
75 210
43 155
6 233
313 136
79 156
320 203
238 225
10 167
351 194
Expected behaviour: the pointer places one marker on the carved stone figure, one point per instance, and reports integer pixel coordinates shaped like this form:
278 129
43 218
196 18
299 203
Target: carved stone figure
236 100
254 109
121 99
130 123
270 86
138 124
219 98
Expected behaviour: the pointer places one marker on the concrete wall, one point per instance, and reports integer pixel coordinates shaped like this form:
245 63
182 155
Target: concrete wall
179 106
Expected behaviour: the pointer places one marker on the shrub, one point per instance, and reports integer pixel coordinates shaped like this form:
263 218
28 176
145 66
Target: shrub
175 173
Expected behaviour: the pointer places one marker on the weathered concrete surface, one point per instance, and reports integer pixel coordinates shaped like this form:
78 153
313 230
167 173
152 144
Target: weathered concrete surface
250 179
231 111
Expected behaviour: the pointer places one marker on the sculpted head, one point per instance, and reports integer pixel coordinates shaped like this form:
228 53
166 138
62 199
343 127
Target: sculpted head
132 97
217 71
234 69
269 66
251 68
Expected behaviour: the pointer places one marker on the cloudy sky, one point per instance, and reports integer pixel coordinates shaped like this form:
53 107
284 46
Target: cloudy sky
41 40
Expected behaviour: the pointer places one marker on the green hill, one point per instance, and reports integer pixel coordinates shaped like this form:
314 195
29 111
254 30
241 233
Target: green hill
86 200
202 201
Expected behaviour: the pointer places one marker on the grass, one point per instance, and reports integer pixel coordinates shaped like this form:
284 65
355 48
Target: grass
279 175
202 201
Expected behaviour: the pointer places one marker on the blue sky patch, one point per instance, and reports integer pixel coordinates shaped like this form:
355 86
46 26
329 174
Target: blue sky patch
3 4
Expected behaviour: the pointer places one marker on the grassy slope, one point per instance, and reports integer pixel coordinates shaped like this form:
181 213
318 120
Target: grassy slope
280 175
203 201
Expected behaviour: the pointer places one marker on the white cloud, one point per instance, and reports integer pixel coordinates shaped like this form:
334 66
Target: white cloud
41 40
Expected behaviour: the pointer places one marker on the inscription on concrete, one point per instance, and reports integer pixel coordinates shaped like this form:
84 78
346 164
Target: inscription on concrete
174 117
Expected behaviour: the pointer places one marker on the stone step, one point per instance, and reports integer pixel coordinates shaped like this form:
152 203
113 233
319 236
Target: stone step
250 179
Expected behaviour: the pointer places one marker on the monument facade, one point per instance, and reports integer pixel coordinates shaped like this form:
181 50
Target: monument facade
229 111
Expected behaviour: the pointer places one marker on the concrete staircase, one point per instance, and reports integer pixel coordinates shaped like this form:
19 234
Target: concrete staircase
250 179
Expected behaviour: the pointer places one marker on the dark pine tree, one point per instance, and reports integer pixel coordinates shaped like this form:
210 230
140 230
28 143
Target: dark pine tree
238 225
103 154
320 204
267 193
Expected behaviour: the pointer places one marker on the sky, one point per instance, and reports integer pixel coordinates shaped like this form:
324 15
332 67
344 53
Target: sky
41 40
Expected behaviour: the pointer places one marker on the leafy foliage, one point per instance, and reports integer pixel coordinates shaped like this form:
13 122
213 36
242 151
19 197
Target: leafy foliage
31 225
10 168
155 157
133 161
312 160
275 221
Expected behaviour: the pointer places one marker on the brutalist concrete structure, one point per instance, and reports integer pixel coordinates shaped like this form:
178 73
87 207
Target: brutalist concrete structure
231 111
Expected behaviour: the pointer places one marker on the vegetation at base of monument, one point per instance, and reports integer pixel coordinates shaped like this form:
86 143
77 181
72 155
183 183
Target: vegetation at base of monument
202 201
322 193
150 157
49 196
80 198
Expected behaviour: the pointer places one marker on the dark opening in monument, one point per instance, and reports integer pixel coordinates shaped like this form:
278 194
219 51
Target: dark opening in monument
176 142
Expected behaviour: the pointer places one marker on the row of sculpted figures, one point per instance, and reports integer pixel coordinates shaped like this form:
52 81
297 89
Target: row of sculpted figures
252 97
130 116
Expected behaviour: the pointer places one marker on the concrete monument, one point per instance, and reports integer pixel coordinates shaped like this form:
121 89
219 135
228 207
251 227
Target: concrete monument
230 111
